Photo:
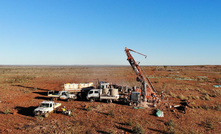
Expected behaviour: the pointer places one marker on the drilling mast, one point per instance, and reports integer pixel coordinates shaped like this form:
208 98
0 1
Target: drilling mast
147 88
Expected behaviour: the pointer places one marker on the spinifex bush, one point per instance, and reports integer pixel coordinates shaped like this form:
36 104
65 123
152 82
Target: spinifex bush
129 122
182 97
138 129
111 113
7 111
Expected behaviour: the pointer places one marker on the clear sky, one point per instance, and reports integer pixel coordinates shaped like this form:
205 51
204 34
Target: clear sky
95 32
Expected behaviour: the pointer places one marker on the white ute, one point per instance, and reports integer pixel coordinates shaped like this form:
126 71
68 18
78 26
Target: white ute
45 108
62 95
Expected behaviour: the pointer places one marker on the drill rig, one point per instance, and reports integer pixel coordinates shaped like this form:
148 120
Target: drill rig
147 88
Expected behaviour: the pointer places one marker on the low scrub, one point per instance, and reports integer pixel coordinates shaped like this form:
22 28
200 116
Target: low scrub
181 97
170 127
89 108
173 95
195 97
111 113
217 92
129 122
138 129
20 79
205 97
208 125
7 111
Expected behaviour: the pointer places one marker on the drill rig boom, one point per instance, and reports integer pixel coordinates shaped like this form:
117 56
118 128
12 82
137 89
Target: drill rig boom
147 88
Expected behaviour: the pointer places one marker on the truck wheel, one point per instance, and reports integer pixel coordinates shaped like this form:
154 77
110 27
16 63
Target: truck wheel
56 110
69 100
46 115
91 99
54 98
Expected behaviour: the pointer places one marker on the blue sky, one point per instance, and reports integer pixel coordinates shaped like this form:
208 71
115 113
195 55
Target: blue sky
95 32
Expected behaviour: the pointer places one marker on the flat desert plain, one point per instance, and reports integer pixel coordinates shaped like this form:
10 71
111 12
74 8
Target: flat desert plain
22 88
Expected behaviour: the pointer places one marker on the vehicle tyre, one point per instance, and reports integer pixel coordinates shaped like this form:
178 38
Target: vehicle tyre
54 98
56 110
91 99
46 115
69 100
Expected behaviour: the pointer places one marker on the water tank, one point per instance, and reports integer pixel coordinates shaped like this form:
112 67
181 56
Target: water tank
105 91
113 92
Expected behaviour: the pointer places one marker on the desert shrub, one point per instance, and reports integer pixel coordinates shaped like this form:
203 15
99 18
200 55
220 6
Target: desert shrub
217 80
170 127
170 123
111 131
218 107
164 85
217 92
193 103
111 113
39 118
208 124
138 129
89 108
27 91
73 114
205 97
91 131
195 97
20 79
129 122
173 95
189 97
206 107
181 97
203 91
7 111
35 88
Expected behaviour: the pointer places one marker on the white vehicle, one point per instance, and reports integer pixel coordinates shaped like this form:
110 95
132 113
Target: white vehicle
103 94
45 108
62 95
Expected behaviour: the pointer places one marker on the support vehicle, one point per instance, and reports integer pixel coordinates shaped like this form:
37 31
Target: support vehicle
45 108
62 95
103 94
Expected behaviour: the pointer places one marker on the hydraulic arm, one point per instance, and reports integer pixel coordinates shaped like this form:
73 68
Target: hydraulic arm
147 88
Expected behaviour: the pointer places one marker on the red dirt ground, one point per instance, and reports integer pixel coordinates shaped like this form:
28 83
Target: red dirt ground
23 88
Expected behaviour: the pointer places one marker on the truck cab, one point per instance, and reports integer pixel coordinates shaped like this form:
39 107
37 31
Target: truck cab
93 94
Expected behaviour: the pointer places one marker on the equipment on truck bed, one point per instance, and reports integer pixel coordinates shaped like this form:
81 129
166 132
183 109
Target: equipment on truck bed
147 88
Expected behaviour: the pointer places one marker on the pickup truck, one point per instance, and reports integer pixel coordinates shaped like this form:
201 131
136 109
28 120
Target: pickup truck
45 108
62 95
96 94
